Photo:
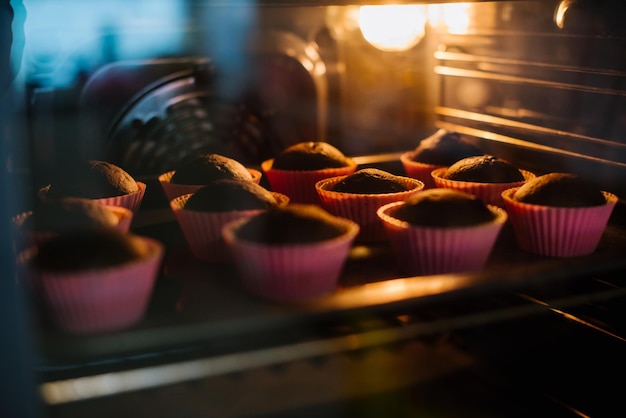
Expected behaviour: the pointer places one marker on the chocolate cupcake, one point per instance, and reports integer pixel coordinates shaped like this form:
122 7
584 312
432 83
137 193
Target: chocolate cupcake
358 196
201 215
297 168
559 214
310 155
98 180
560 189
70 214
485 176
370 181
441 149
441 231
204 169
97 280
290 253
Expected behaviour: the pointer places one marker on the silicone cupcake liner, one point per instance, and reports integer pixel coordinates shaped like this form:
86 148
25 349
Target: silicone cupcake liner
130 201
420 171
299 185
290 273
361 208
173 190
421 250
490 193
124 216
103 300
557 231
203 230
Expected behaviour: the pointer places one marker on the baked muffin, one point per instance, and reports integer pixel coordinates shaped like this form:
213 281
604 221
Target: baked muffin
70 214
101 181
297 168
358 196
441 231
290 253
310 155
370 181
560 189
441 149
485 176
201 215
203 169
95 281
559 214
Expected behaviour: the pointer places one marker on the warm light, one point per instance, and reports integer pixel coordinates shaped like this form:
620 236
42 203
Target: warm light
392 27
454 16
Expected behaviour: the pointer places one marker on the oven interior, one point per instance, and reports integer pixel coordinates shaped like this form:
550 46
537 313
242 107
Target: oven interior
539 83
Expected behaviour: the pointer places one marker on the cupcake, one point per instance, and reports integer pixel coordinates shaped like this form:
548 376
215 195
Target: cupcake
558 214
440 231
201 170
358 196
485 176
95 281
290 253
202 214
101 181
297 168
70 214
441 149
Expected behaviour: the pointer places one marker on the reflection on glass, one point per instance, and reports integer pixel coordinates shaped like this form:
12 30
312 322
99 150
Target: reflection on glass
64 38
392 27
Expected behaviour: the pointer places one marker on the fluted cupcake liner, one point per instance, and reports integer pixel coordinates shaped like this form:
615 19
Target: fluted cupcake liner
130 201
299 185
422 250
173 190
102 300
361 208
203 230
420 171
290 273
558 231
490 193
28 238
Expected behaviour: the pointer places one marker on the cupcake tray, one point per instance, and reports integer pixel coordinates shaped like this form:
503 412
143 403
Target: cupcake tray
198 309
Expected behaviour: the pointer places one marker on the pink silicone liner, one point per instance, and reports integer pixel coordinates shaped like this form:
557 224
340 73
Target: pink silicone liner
173 190
557 231
299 185
203 230
101 300
290 273
420 171
361 208
421 250
490 193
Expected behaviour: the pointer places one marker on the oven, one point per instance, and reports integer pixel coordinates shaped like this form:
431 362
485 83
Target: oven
146 84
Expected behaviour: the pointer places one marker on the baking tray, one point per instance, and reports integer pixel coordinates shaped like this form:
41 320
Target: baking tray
198 309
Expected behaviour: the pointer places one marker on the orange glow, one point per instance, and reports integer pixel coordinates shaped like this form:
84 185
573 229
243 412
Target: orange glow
455 17
393 27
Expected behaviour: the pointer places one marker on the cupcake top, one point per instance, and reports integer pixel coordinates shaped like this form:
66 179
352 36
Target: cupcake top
228 195
89 250
311 155
443 148
560 190
91 179
370 181
69 214
207 168
291 224
443 208
483 169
